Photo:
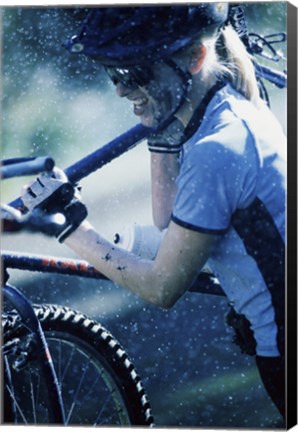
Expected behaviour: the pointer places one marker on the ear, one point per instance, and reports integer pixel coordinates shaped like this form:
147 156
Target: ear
198 55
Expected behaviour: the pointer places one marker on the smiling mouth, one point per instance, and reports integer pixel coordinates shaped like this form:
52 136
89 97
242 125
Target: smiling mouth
139 105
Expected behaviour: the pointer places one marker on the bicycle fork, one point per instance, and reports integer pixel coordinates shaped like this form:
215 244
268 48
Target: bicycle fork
30 320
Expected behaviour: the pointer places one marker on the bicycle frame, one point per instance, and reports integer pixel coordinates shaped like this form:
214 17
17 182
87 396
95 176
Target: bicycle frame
204 284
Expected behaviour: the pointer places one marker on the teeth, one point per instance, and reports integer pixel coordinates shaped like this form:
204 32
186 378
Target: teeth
140 101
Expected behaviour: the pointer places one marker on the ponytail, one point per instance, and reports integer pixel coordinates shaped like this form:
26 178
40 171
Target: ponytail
228 59
233 55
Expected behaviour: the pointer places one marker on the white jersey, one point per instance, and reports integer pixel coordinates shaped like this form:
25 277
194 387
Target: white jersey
232 183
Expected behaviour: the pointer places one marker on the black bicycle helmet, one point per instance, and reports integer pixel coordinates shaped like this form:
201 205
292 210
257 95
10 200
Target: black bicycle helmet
133 35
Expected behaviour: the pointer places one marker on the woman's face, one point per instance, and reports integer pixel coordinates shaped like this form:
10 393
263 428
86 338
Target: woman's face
159 99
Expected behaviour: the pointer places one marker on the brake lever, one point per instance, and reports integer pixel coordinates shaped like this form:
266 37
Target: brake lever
47 224
258 45
34 221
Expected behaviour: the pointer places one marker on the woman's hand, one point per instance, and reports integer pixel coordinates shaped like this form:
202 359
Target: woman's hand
52 193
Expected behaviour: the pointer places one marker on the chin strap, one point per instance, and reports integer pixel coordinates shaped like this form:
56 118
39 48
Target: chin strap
186 79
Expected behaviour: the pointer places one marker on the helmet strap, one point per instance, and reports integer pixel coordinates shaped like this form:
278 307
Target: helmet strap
186 79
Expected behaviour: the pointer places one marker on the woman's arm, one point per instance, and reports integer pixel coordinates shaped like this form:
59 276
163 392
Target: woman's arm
164 171
161 282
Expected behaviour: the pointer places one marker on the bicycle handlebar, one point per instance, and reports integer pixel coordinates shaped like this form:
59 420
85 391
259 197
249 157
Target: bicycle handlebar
273 76
100 157
107 153
25 166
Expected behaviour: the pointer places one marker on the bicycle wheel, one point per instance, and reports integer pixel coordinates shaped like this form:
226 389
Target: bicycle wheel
98 382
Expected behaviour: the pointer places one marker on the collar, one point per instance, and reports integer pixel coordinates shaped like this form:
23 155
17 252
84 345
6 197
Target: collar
198 115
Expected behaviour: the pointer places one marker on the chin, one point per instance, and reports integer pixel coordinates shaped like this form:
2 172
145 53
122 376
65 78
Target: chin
148 122
151 122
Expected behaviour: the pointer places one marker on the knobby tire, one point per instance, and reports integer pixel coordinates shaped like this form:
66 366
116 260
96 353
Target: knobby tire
99 384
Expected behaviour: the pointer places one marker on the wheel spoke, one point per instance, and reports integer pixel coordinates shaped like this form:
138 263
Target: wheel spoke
16 404
34 403
66 367
85 369
102 409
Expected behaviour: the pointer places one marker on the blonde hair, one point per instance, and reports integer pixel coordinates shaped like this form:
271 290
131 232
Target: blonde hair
228 58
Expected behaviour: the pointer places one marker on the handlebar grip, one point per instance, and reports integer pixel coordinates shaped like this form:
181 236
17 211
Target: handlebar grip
25 167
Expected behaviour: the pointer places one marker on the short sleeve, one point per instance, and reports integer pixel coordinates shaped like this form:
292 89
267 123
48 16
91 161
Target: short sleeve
218 175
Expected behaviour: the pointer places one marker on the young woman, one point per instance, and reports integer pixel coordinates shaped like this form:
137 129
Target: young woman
218 168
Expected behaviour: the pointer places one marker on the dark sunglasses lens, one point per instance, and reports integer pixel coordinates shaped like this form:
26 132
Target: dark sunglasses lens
120 75
130 77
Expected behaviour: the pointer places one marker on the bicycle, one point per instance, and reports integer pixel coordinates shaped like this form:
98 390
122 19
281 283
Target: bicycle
34 336
60 366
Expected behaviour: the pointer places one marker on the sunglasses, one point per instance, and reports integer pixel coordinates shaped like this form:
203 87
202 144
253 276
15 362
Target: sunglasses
132 76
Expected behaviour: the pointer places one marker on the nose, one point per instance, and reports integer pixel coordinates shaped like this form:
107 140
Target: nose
122 90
